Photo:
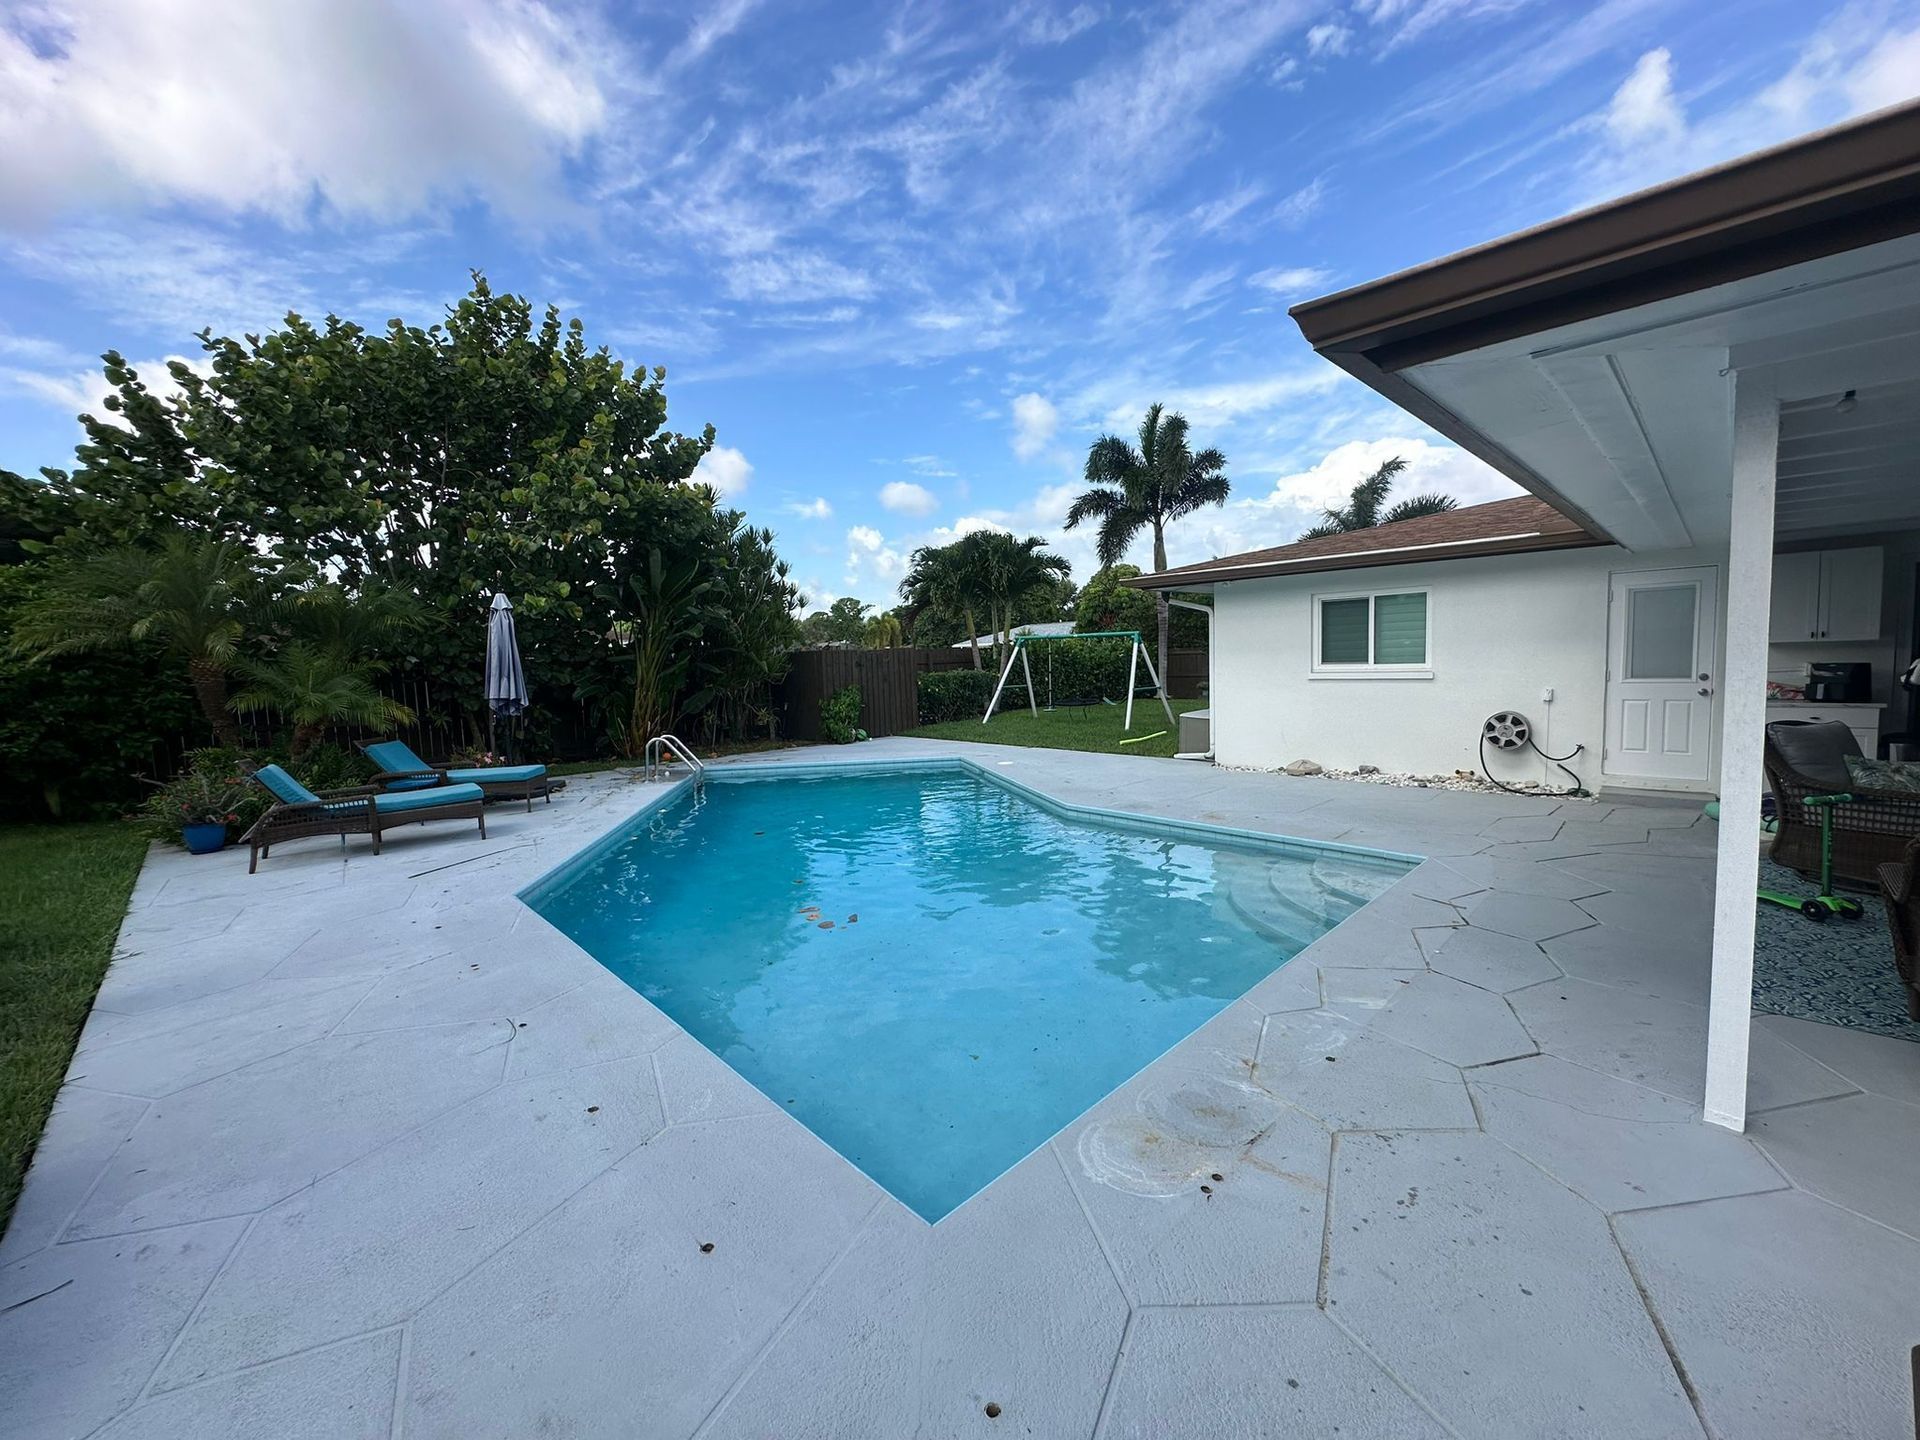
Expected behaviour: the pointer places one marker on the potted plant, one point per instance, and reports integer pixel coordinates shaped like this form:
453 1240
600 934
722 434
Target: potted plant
202 801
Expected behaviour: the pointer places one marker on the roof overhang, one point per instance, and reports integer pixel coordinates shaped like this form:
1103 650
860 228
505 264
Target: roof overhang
1198 577
1588 359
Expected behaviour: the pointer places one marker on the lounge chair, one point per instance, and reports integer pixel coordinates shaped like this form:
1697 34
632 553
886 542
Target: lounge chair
401 769
298 812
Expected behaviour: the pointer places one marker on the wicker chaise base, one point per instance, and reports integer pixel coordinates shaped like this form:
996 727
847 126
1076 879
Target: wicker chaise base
300 822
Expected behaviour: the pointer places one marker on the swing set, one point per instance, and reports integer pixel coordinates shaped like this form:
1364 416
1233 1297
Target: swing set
1136 657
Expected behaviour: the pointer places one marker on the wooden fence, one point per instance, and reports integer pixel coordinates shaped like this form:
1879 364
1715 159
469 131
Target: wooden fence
889 684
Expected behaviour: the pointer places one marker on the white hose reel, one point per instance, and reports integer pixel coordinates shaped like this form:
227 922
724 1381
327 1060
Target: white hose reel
1507 730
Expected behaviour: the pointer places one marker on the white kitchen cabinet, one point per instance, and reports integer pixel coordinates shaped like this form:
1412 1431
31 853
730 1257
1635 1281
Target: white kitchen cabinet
1863 720
1827 594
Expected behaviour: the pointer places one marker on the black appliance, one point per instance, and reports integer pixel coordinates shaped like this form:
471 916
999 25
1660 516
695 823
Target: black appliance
1839 682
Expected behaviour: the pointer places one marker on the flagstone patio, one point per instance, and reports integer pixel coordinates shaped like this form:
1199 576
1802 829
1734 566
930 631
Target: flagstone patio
361 1146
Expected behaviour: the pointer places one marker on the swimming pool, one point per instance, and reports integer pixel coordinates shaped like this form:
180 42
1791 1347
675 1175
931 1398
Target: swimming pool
931 968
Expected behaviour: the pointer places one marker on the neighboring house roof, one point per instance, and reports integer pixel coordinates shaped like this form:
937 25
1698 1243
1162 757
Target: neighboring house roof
1502 527
1043 627
1823 194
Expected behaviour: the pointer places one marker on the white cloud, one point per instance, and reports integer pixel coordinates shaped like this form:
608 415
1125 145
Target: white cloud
1049 27
931 466
903 497
865 537
1643 110
725 469
815 509
1034 421
874 566
75 393
358 107
1328 39
1292 281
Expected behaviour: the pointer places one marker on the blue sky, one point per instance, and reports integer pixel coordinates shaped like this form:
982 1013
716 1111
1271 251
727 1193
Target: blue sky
910 259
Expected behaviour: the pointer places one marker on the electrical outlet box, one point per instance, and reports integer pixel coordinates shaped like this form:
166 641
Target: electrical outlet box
1546 696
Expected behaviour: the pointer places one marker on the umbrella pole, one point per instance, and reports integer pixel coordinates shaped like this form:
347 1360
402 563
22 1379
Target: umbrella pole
489 730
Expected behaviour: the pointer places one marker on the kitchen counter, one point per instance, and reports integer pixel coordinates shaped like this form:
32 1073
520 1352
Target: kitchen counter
1863 717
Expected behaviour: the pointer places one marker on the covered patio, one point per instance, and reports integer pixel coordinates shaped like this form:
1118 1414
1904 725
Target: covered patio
1708 374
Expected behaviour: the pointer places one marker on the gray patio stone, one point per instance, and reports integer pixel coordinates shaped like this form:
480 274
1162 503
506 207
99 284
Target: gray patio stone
598 1020
1226 1046
1490 959
1357 994
1444 881
106 1028
696 1084
1623 1146
1294 986
1628 960
1020 1247
1250 1236
1674 914
238 1143
1528 917
86 1131
1792 1318
340 1392
105 1312
1878 1063
159 1064
366 1246
1524 877
1351 1079
1248 1374
1615 831
1455 1022
511 976
1839 1150
847 1363
1660 1043
658 1328
1525 827
1494 1292
157 974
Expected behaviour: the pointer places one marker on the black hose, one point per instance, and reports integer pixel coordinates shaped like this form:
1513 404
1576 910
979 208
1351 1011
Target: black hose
1578 791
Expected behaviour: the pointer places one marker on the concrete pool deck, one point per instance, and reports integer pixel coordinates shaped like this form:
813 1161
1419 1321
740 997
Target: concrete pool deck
360 1146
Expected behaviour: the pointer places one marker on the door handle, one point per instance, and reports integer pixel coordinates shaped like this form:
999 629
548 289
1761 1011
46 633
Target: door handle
1705 690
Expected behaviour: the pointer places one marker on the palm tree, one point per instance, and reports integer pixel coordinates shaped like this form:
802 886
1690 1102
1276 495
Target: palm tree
1147 488
192 597
1011 571
952 577
883 632
1363 510
324 672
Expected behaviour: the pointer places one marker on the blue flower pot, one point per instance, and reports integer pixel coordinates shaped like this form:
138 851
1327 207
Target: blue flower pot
204 839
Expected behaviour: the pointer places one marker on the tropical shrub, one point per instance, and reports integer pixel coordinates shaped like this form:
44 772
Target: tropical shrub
840 716
211 788
1075 670
954 695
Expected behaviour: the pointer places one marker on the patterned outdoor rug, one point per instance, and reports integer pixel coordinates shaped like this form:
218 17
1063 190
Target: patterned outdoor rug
1839 973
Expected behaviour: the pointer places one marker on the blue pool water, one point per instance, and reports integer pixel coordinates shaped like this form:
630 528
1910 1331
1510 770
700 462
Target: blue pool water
928 969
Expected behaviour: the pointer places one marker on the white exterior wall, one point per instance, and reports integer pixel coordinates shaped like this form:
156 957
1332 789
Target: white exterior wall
1502 630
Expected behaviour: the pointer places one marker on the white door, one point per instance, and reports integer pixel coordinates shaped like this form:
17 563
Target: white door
1660 683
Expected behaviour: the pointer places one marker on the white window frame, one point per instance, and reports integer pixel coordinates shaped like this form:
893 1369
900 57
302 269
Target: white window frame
1370 671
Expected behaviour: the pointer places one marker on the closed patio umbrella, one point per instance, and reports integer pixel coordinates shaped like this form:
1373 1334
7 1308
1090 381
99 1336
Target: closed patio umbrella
506 680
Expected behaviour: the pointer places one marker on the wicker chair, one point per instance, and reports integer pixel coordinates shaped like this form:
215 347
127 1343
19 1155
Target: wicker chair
1900 888
1870 829
298 812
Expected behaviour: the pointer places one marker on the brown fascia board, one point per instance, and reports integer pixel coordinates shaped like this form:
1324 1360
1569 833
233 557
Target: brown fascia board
1835 190
1362 560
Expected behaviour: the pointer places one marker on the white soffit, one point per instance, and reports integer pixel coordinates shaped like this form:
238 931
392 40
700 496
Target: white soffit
1628 416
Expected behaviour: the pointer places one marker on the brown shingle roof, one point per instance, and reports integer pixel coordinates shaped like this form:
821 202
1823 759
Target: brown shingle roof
1502 527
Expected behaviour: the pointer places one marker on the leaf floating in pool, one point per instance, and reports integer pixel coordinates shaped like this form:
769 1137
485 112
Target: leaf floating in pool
853 919
826 924
706 1247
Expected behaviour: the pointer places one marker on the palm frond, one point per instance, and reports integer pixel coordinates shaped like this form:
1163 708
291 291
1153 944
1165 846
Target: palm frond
1416 506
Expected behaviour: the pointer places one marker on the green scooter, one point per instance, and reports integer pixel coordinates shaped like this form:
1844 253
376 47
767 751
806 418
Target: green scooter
1826 903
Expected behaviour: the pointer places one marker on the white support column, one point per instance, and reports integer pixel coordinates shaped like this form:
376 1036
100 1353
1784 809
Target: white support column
1159 689
1026 666
1133 669
1743 711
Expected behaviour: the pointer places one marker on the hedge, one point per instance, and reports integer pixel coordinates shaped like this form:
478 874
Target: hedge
954 694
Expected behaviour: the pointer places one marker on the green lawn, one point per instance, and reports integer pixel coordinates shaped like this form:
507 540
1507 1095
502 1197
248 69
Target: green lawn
1093 728
63 891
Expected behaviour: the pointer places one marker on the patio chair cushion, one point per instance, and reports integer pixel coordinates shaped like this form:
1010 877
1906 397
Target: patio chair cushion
498 774
395 802
395 755
1818 751
1865 774
283 786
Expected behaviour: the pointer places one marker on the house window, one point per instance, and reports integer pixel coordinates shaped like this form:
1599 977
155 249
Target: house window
1379 632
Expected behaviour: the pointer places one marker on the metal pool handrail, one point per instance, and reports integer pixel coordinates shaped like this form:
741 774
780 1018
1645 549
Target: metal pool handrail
651 757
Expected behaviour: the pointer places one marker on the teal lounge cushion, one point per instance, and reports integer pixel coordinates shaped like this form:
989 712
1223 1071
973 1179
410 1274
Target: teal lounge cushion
499 774
396 802
284 787
1897 775
394 755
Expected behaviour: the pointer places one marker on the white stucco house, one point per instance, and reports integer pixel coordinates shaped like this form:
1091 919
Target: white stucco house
1711 391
